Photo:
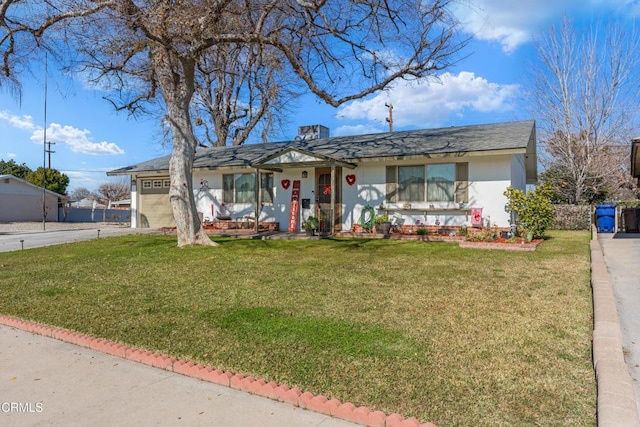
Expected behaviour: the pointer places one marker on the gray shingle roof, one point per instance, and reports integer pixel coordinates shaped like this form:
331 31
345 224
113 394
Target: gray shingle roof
459 139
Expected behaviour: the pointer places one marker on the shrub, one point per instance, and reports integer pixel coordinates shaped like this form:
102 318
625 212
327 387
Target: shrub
532 212
572 217
382 218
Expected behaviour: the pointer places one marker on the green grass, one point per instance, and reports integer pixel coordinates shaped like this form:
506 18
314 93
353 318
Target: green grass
448 335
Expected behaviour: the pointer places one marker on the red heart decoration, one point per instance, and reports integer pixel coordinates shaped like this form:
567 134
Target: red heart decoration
351 179
286 183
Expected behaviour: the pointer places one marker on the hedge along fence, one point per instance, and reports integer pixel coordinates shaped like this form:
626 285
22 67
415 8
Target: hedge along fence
572 217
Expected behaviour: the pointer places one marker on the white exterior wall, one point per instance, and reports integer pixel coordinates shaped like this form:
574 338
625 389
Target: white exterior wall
368 190
489 176
209 201
23 202
134 202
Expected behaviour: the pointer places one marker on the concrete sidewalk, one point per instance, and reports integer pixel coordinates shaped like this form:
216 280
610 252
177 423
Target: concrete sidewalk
44 381
617 327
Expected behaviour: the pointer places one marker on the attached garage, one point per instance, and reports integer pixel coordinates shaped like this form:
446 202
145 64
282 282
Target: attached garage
22 201
155 207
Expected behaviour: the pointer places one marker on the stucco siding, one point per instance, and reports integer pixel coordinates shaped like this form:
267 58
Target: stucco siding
489 176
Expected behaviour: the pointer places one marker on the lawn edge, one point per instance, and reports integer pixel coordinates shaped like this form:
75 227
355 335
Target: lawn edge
347 411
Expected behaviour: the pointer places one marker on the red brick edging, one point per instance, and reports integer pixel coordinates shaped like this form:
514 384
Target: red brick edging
346 411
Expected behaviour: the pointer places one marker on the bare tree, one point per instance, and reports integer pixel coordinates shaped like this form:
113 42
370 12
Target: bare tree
80 193
112 191
150 49
585 94
241 89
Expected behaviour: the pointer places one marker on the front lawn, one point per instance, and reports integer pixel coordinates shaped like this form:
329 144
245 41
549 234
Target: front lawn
447 335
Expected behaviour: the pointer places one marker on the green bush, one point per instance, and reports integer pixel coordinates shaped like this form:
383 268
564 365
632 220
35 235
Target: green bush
382 218
532 212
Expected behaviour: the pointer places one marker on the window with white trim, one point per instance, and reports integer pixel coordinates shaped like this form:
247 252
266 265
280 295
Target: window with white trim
444 182
241 188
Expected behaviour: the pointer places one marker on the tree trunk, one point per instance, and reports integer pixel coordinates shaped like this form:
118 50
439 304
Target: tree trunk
176 77
188 225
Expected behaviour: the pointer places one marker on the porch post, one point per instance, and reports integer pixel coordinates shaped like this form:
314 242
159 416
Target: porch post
256 212
333 197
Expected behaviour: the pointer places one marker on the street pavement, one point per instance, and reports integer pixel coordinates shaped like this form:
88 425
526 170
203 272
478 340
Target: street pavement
34 235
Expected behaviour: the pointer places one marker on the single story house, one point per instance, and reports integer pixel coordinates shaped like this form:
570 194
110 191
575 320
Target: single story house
449 177
21 200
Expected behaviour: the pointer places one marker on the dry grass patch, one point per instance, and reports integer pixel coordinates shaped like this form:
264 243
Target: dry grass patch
448 335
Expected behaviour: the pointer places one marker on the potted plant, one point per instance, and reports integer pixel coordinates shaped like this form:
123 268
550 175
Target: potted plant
310 225
383 225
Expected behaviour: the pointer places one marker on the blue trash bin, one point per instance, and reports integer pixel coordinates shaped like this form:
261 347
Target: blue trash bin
605 218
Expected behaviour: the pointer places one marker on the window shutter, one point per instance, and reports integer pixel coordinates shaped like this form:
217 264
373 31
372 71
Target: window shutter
462 182
392 184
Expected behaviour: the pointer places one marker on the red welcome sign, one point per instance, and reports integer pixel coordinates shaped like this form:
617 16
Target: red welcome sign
293 212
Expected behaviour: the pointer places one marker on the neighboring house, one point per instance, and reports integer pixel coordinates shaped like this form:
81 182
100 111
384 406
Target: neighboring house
87 203
430 177
120 204
20 200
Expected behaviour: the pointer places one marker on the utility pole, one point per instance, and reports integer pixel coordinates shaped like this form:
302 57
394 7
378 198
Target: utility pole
390 118
44 145
48 150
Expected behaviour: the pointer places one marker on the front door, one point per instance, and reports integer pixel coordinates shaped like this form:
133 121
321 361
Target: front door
323 200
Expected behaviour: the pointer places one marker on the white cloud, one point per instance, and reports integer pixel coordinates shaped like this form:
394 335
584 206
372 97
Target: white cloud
513 23
12 155
365 129
432 103
20 122
90 179
78 140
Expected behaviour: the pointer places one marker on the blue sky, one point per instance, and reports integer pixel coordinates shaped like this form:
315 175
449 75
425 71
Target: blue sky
91 138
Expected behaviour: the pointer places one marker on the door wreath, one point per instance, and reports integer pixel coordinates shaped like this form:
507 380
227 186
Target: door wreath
367 218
